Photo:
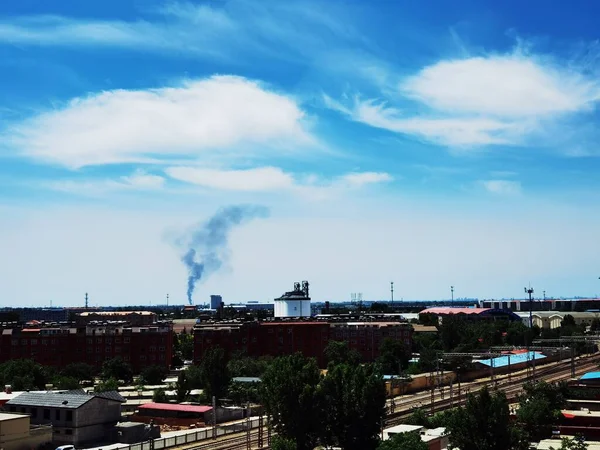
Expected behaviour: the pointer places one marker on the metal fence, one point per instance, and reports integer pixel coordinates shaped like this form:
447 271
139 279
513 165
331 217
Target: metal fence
195 436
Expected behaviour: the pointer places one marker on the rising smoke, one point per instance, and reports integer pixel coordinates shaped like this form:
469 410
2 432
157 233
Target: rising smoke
206 246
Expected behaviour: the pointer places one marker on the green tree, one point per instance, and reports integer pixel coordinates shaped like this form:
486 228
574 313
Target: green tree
214 373
280 443
393 356
244 366
539 408
153 375
353 406
484 424
61 382
25 374
110 384
118 369
418 417
289 395
404 441
577 443
80 371
182 387
339 352
242 393
160 396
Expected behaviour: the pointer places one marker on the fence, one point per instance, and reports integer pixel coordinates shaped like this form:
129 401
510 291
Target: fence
196 436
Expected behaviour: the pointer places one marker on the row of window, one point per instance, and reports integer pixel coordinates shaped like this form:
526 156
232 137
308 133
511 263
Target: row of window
45 414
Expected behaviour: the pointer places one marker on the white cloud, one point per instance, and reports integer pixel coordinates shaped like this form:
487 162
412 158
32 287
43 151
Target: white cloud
359 179
259 179
495 100
137 181
502 187
274 179
190 120
512 86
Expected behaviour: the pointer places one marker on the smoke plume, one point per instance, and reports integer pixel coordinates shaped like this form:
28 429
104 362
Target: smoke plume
207 244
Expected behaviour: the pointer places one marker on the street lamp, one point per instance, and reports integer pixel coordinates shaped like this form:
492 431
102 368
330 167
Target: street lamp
530 292
452 293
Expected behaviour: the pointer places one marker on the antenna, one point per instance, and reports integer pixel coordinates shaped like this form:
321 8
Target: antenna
86 300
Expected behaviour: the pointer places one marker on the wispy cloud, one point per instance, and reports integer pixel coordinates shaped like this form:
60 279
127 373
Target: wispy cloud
197 119
480 101
137 181
229 30
502 187
273 179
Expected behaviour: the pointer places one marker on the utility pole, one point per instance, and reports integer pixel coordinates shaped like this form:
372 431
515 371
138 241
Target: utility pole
392 291
167 299
529 291
86 300
544 292
452 293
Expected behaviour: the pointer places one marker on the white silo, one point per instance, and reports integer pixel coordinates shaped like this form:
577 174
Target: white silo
295 303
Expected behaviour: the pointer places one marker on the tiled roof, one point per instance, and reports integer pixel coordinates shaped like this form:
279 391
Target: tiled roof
74 399
50 400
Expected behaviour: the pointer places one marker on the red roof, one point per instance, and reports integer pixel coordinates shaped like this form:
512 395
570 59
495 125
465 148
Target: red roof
454 310
176 407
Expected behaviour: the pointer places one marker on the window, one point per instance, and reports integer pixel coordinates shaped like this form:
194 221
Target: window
117 349
23 341
69 416
57 414
117 340
162 349
90 340
107 349
15 342
47 414
99 341
34 342
126 340
33 412
69 431
90 350
98 349
13 409
142 357
44 341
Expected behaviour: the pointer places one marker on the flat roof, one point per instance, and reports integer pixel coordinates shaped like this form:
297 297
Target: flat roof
590 376
173 407
403 428
503 361
449 310
6 416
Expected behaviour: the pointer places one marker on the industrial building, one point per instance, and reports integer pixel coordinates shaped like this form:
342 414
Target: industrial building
553 319
57 345
76 416
17 433
310 337
546 304
471 314
294 303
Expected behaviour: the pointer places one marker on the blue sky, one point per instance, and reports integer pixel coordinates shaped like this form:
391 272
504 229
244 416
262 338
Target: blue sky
429 143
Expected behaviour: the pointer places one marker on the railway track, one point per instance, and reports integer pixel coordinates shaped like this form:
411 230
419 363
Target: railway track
512 386
236 441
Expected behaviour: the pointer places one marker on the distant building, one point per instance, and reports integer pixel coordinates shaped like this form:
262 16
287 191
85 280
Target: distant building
295 303
16 433
310 337
471 314
134 318
215 301
58 345
76 417
549 304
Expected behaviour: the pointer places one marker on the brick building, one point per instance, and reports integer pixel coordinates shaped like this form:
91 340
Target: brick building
59 345
308 337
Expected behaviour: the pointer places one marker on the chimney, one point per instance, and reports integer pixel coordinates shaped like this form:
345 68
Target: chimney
7 389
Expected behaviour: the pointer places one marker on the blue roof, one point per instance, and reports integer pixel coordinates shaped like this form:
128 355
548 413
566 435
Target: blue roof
502 361
590 376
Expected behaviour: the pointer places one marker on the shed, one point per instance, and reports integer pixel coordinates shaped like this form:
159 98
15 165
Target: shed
514 359
173 410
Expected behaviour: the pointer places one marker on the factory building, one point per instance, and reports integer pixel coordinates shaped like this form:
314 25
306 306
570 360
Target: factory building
471 314
295 303
215 301
577 304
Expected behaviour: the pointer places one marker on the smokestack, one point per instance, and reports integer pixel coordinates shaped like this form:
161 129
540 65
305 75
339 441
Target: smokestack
206 247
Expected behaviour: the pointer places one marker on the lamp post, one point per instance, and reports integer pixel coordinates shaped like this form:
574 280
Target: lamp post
452 294
530 292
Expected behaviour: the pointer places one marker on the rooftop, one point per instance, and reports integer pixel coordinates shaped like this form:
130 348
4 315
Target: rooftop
175 407
6 416
590 376
67 400
450 310
518 358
